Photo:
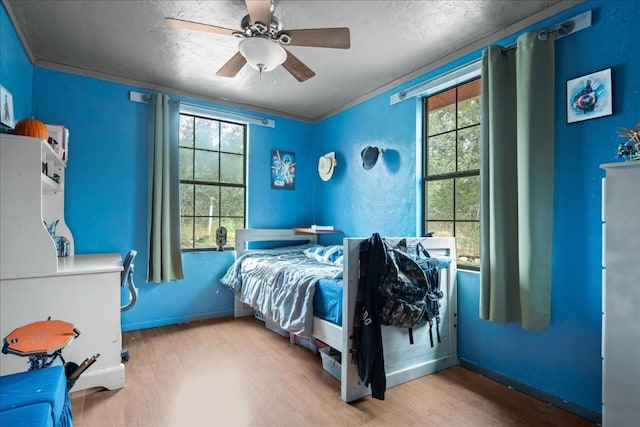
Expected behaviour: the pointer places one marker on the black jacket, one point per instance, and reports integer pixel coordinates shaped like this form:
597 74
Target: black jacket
368 350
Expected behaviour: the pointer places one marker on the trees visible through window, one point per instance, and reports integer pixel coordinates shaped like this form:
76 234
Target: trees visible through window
212 180
451 181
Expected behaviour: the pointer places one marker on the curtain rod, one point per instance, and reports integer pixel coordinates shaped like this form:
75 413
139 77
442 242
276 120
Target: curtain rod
457 75
199 109
563 29
471 69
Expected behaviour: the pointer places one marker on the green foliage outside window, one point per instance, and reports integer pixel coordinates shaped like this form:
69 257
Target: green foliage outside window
452 169
212 180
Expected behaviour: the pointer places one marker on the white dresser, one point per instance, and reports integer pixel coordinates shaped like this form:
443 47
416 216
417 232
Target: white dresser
621 294
35 283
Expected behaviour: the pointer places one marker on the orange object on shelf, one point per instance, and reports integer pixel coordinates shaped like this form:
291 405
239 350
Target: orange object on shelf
42 337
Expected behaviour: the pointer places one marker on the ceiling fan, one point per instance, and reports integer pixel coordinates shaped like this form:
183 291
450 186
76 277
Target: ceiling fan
263 41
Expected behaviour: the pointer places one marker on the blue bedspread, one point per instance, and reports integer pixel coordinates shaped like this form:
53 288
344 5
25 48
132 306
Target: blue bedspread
327 302
280 283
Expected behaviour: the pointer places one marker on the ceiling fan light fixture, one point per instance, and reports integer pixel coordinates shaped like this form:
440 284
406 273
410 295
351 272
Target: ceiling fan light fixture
262 54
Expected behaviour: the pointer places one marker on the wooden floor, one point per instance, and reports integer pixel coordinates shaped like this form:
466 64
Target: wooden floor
236 372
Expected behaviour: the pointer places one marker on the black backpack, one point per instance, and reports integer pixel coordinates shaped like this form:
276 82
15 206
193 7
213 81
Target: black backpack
410 289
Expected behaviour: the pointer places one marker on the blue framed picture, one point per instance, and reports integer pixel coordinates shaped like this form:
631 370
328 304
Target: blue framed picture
589 96
283 170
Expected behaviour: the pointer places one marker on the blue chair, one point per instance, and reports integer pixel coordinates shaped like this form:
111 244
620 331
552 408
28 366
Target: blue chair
126 281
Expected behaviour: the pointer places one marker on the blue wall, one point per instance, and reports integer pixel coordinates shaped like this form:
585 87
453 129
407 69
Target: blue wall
16 71
106 190
563 360
358 201
106 194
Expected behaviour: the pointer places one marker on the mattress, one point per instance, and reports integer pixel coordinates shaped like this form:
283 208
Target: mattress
279 283
327 300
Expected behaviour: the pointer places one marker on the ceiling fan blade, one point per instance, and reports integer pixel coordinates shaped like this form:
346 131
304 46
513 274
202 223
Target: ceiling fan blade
231 68
189 25
259 11
297 69
338 38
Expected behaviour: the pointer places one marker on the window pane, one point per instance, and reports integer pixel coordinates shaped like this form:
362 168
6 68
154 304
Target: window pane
440 200
211 152
468 243
207 134
232 201
186 131
468 198
207 200
231 224
441 112
186 232
232 138
441 154
440 228
186 199
186 163
469 149
469 104
205 232
452 150
231 168
206 165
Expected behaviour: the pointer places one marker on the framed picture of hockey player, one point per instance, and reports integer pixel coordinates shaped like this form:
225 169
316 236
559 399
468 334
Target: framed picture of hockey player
283 170
6 108
589 96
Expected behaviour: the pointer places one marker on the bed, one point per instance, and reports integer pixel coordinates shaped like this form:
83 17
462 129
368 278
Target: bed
403 361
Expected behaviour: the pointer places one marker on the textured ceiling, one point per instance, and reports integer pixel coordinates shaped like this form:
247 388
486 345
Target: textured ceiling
391 41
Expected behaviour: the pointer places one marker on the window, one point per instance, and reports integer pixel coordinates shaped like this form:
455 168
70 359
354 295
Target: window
212 180
451 181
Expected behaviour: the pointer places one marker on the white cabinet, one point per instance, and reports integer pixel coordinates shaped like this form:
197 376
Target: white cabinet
29 197
35 283
621 294
84 292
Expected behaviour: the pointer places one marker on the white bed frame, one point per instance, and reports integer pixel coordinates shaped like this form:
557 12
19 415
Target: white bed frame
403 361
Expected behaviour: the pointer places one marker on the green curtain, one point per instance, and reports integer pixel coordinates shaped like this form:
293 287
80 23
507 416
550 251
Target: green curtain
163 230
516 180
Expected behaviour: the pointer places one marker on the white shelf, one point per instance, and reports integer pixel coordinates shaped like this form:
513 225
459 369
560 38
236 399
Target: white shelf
49 186
309 230
49 154
626 164
90 263
29 198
